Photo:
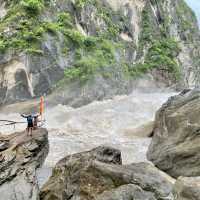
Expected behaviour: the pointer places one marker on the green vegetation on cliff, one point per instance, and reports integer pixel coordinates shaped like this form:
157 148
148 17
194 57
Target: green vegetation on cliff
95 54
162 49
102 48
21 29
32 6
27 35
185 24
162 56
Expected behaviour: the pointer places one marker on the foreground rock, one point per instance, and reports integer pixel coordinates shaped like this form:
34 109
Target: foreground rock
98 174
176 143
187 188
20 156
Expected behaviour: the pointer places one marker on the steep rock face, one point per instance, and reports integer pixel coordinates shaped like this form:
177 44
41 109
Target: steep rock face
101 46
175 146
2 9
20 156
187 188
98 174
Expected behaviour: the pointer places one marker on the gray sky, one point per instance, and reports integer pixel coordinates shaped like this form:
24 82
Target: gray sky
195 5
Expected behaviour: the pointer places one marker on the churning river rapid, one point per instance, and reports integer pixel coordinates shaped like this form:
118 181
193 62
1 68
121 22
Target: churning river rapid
117 122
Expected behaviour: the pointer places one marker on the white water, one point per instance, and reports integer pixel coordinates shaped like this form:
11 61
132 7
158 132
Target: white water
110 122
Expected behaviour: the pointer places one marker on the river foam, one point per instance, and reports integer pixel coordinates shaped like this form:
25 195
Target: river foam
111 122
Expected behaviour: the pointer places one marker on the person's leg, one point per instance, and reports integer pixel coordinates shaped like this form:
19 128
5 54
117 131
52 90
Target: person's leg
27 130
31 129
34 126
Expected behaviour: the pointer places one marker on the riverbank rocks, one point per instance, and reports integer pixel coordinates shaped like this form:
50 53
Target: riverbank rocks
99 175
20 156
187 188
175 147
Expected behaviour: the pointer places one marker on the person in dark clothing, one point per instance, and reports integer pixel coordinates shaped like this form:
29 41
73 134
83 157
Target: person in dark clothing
35 121
30 124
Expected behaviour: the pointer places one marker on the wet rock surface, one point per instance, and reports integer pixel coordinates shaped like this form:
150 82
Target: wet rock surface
176 143
98 174
129 191
20 156
187 188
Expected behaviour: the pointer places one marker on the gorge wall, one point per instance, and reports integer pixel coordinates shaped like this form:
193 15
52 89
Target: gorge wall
93 49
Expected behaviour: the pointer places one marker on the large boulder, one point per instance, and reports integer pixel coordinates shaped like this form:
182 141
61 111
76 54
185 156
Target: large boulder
187 188
20 156
98 174
124 192
175 147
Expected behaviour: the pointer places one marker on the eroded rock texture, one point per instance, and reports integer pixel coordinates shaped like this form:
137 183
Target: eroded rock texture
187 188
176 143
20 156
98 174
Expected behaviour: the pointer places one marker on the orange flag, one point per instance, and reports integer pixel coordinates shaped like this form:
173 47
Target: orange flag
41 105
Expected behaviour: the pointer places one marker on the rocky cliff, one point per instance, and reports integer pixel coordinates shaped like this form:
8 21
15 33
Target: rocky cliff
20 156
94 48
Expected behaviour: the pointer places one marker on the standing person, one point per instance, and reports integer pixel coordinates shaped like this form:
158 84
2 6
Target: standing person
29 123
35 121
